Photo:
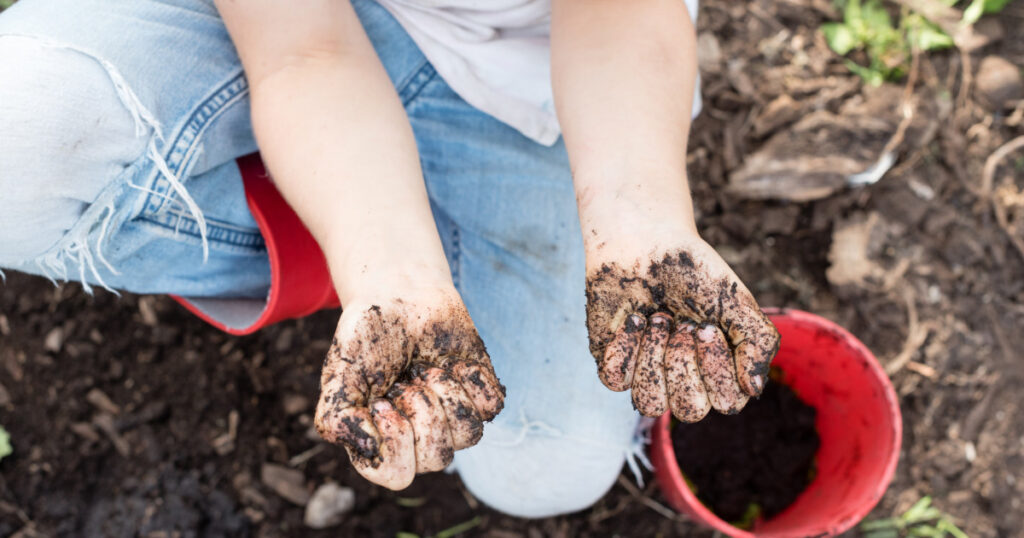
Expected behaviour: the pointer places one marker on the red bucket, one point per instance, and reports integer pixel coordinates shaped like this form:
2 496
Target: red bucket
858 422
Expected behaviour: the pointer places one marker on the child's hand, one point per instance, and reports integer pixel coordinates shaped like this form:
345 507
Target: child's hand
674 324
405 384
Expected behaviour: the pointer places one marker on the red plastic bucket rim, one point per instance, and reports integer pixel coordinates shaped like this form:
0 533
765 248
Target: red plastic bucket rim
703 515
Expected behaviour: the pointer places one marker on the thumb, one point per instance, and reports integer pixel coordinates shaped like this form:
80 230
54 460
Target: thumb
394 463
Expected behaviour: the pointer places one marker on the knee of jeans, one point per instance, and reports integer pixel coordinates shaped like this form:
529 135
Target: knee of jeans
66 133
541 475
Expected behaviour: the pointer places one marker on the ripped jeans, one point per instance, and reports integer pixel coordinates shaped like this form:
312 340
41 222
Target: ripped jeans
120 123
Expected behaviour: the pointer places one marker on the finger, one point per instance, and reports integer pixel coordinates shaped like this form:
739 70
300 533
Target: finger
342 382
369 351
649 397
463 421
351 427
481 385
687 396
719 371
756 341
341 414
430 427
395 465
616 369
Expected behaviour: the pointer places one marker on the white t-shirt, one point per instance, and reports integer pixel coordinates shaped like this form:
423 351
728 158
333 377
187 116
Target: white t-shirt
496 54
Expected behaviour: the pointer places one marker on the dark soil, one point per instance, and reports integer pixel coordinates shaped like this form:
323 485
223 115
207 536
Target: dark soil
762 456
922 266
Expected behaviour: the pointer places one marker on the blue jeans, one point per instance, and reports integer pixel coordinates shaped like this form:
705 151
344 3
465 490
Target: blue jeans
111 110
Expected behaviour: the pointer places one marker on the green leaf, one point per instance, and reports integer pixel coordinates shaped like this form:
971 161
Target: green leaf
876 18
403 534
747 520
880 524
995 6
840 37
924 531
973 12
460 528
947 526
410 502
852 13
923 35
873 77
881 533
914 513
5 443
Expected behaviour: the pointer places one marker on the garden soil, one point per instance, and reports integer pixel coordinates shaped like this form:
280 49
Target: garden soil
129 417
762 457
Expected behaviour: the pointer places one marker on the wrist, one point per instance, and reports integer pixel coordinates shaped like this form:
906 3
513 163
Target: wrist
629 207
379 273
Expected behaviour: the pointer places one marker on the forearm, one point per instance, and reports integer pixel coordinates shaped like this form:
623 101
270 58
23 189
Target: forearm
623 75
343 155
337 142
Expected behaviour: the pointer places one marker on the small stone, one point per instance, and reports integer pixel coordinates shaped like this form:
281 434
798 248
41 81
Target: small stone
329 505
101 401
998 82
285 339
54 340
288 483
147 310
85 431
294 404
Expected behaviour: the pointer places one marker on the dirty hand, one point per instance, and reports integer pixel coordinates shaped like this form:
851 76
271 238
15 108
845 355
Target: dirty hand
675 325
406 383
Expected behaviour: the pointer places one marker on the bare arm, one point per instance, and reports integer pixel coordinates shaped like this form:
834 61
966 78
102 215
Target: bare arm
623 74
668 319
336 140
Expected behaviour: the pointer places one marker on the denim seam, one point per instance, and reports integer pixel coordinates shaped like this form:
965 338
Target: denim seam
456 268
217 231
180 155
416 83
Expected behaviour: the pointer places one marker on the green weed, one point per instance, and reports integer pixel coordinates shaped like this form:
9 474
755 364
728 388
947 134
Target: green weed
5 443
868 27
921 520
450 532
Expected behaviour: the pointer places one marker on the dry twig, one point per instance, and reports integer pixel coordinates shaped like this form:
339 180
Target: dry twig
906 104
986 193
917 333
647 500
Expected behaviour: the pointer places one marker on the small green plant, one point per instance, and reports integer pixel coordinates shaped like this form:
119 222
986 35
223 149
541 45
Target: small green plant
450 532
868 27
977 8
5 443
753 513
921 520
4 4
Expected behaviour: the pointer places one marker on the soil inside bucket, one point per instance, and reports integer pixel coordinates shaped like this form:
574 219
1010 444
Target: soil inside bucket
753 464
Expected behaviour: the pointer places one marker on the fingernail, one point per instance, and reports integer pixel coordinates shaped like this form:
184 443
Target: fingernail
757 382
706 333
660 319
634 323
688 326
